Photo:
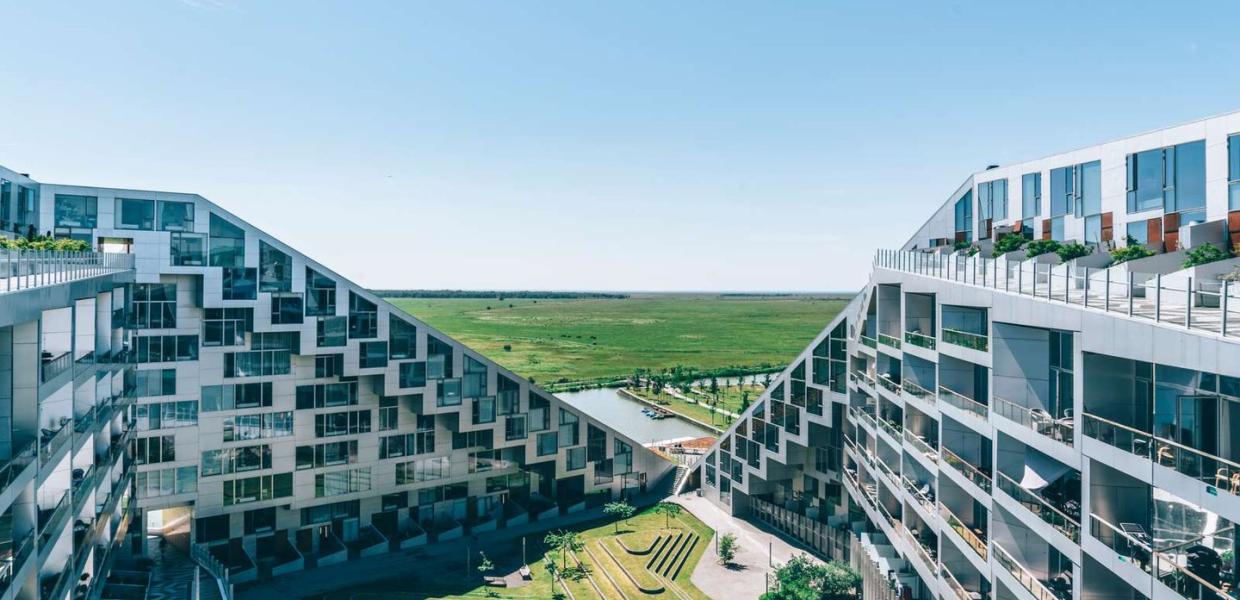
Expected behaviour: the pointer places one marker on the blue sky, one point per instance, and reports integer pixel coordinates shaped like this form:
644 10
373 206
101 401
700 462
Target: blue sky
590 145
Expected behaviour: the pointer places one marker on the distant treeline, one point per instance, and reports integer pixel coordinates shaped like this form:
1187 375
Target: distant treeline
495 294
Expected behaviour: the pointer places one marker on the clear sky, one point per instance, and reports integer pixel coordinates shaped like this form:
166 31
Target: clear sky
589 145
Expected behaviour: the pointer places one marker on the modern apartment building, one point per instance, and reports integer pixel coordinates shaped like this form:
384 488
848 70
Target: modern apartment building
194 369
1016 425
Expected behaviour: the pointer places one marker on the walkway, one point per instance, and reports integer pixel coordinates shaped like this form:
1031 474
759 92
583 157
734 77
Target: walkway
757 544
171 572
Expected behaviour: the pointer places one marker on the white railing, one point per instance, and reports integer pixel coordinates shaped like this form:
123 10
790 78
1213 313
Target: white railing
1060 430
25 269
1177 300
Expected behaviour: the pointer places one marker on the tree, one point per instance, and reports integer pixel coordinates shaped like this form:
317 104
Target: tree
803 578
485 565
668 510
620 510
565 542
727 548
744 400
714 385
766 380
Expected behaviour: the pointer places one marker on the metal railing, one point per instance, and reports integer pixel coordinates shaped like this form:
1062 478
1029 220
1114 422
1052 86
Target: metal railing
894 429
917 391
965 339
202 555
974 541
1207 468
958 590
13 564
970 472
923 498
1060 430
1177 299
922 445
963 402
55 365
17 464
1061 521
25 269
889 384
919 339
1026 579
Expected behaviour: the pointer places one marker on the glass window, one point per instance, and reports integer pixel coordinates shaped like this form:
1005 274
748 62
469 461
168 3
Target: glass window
1233 172
275 269
1090 174
1173 178
320 295
329 365
576 458
76 211
547 443
1031 195
1137 232
372 355
1190 179
154 306
412 374
188 249
226 326
1093 229
135 214
964 217
1061 191
227 243
176 216
332 331
286 309
363 317
240 283
402 338
449 392
484 410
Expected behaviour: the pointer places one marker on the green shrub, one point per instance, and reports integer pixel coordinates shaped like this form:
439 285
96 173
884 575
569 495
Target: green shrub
972 251
1130 252
1008 243
1068 252
45 243
961 245
1040 247
1204 254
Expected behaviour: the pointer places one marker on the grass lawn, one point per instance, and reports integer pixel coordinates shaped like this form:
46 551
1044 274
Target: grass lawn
688 409
603 567
595 339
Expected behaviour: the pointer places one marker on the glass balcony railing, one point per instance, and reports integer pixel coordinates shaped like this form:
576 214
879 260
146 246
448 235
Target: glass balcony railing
921 492
889 340
921 547
861 377
889 384
868 341
1061 521
926 449
963 402
965 339
1060 430
53 441
55 365
51 520
965 468
917 391
1207 468
17 464
13 563
959 591
1026 579
894 429
1133 547
1128 439
974 538
919 339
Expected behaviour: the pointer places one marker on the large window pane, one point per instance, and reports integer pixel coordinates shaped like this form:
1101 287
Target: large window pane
135 214
275 269
227 243
76 211
176 216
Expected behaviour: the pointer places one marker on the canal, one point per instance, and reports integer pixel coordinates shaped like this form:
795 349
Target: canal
624 414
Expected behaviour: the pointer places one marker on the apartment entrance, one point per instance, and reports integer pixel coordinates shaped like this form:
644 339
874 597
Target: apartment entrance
116 245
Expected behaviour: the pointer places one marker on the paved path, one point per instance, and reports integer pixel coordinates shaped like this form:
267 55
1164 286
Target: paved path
757 546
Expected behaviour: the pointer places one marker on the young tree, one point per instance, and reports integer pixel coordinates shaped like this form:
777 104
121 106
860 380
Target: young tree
565 542
485 565
766 380
668 510
714 385
727 548
621 511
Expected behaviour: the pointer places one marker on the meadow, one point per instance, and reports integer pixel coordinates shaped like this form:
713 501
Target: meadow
561 341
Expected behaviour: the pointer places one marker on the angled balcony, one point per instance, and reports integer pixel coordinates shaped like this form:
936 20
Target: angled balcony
919 320
965 326
967 454
29 269
1033 374
965 388
890 332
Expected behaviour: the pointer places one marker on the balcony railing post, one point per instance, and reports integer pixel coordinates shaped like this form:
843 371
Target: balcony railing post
1131 281
1086 287
1158 298
1223 307
1106 291
1188 304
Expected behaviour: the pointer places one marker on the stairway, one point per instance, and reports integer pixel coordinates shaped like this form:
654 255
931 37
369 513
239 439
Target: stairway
682 473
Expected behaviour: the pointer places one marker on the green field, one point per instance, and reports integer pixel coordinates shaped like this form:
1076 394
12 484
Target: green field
554 341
